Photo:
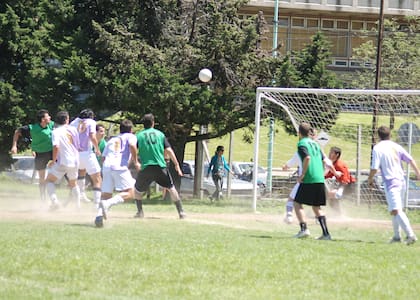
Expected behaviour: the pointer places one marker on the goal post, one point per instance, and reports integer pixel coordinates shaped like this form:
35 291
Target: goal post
344 117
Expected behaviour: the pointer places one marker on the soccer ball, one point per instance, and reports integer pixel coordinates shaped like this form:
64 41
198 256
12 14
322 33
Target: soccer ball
205 75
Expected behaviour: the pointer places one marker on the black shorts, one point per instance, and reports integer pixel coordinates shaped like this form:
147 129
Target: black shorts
312 194
42 159
153 173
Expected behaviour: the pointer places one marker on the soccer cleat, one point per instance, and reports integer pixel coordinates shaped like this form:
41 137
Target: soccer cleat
104 210
99 222
54 206
325 237
182 215
410 240
84 198
394 240
288 219
302 234
139 215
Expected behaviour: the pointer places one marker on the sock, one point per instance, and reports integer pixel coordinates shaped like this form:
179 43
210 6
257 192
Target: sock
139 205
96 194
396 227
113 201
81 184
75 194
323 223
178 205
404 223
303 226
289 207
50 186
43 191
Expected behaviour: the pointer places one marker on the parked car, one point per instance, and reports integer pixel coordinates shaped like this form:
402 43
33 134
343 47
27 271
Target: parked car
238 187
23 169
244 171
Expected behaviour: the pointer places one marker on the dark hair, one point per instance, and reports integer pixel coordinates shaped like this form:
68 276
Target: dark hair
41 114
337 151
125 126
148 120
61 117
219 148
99 126
384 132
86 114
305 129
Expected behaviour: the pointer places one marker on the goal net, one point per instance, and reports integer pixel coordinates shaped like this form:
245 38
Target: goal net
347 119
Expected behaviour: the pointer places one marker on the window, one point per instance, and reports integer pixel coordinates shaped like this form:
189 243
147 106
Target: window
312 23
342 25
357 25
327 24
298 22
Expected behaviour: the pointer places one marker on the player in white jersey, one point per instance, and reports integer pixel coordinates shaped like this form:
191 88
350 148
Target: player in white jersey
86 127
65 158
118 153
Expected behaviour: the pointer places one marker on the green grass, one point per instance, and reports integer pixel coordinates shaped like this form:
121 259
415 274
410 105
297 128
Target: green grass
220 251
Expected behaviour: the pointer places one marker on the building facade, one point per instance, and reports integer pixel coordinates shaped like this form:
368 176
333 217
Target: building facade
346 23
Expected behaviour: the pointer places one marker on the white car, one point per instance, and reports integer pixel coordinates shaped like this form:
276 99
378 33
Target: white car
244 171
23 169
238 186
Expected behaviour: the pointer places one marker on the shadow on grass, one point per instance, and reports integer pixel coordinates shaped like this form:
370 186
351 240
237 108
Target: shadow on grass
311 239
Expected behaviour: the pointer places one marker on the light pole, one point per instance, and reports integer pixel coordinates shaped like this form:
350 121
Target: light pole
205 75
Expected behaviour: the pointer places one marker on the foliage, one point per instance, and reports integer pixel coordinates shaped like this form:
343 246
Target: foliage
400 57
137 57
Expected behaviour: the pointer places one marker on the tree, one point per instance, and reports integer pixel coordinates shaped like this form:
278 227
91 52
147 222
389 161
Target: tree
400 57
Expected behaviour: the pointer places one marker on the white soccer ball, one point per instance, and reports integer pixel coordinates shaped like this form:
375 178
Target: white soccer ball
205 75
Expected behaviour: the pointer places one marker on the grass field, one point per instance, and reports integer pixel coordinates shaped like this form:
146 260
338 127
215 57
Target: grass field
221 251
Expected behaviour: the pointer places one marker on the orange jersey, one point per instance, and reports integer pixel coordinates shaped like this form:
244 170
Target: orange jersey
341 166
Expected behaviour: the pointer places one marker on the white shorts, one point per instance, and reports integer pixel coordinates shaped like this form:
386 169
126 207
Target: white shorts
59 171
88 161
394 197
118 180
292 194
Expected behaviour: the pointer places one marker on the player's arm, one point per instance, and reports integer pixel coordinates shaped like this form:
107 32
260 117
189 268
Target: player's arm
94 141
54 156
134 158
371 175
171 154
16 137
415 168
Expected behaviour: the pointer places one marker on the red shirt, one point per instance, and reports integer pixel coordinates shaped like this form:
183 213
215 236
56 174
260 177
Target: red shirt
341 166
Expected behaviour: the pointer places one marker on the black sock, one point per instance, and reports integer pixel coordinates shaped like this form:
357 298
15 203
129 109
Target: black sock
323 223
139 204
178 205
303 226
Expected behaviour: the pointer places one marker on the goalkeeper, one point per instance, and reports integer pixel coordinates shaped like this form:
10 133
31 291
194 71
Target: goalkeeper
338 180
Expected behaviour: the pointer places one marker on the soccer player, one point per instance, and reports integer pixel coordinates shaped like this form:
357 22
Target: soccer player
217 167
294 161
338 180
88 163
65 159
39 135
311 190
387 157
153 147
118 153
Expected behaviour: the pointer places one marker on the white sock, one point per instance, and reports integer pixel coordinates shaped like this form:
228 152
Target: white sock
75 194
96 195
81 184
289 206
396 227
51 192
405 223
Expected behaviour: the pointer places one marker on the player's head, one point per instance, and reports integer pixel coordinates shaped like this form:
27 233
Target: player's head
335 153
100 131
126 126
384 133
304 129
43 115
62 117
87 113
148 120
220 149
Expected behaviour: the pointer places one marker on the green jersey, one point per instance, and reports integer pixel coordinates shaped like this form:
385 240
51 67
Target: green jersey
151 145
41 137
315 171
